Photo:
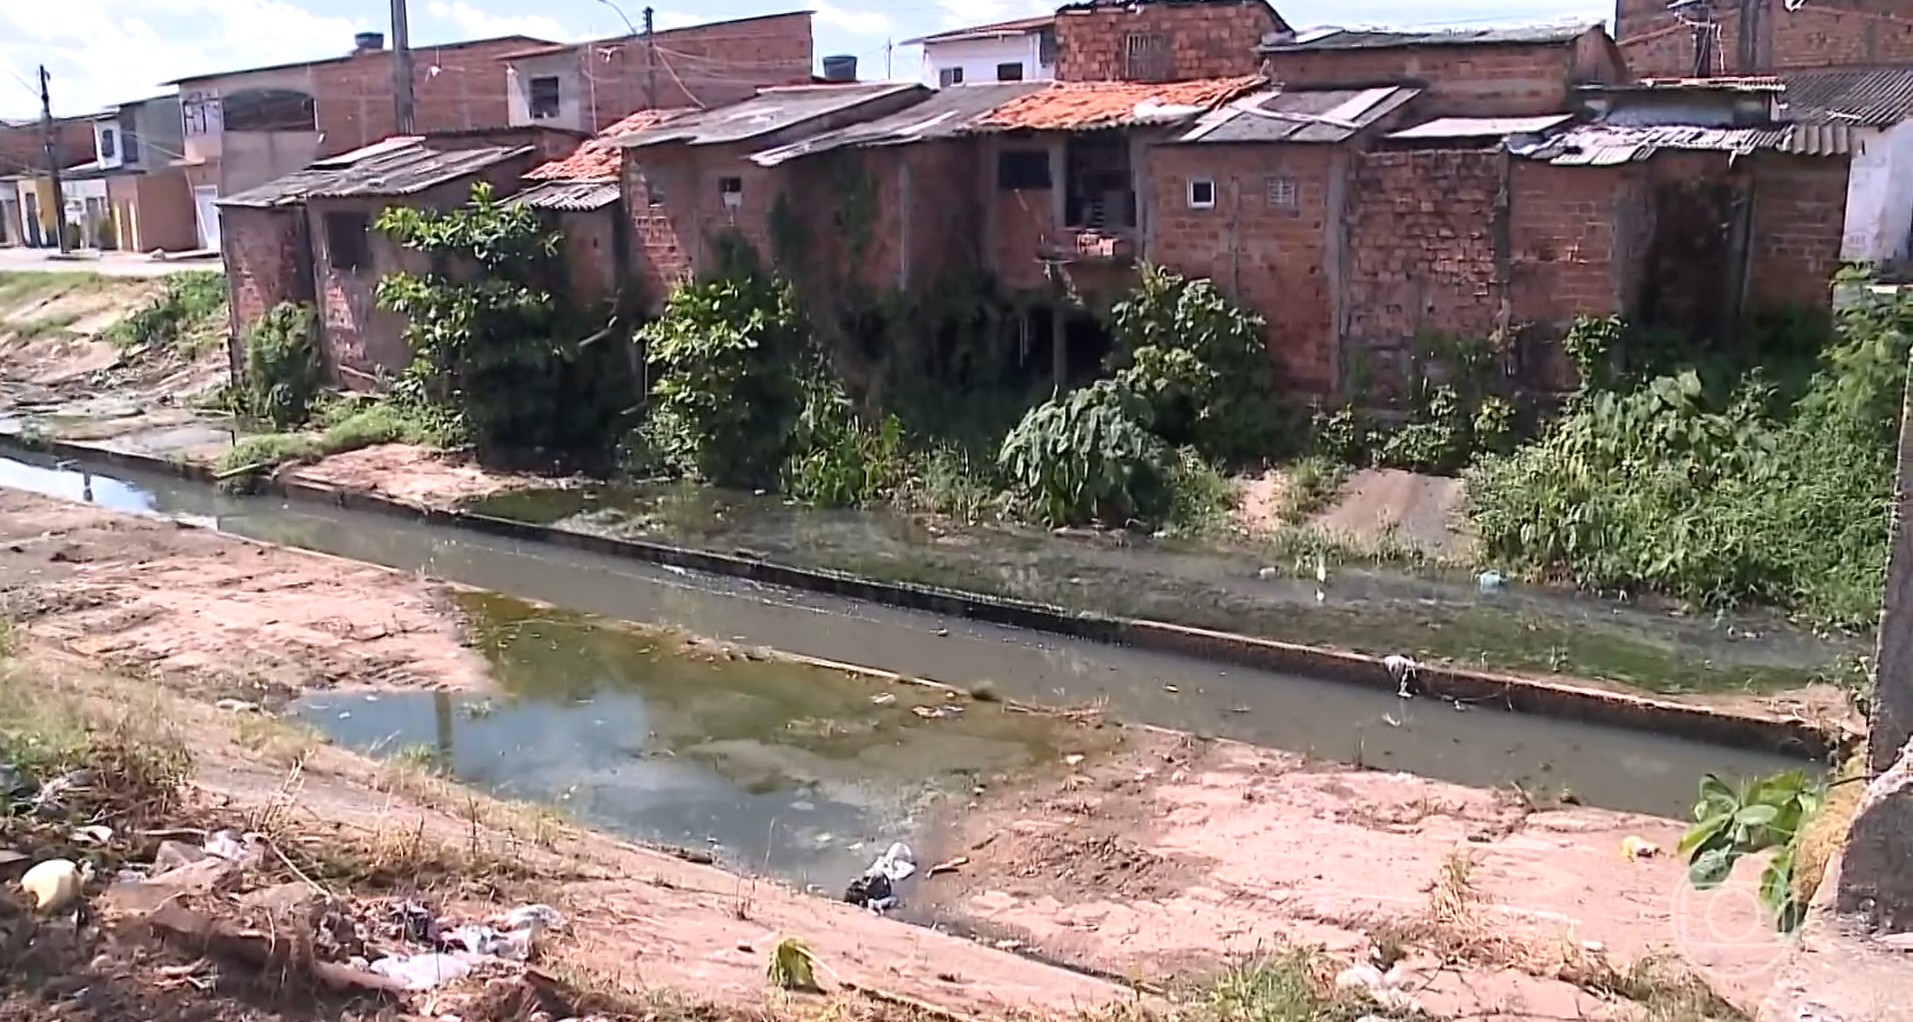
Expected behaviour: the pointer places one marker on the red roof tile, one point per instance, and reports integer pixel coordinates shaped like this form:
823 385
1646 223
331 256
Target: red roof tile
597 159
1080 106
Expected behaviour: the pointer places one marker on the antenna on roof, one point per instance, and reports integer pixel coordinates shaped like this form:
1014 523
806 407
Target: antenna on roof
1699 17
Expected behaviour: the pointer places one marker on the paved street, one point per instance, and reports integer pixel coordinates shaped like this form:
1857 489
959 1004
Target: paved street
115 264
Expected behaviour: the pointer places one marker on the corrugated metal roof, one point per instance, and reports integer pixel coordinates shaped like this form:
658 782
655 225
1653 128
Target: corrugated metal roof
771 110
1300 115
1481 127
597 159
1876 97
568 196
946 114
400 171
1606 145
1085 106
342 58
1382 39
995 30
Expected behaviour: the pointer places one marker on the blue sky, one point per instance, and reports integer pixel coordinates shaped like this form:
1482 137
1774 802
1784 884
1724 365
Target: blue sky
106 51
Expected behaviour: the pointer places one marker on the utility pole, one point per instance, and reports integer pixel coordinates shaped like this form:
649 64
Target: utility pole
401 70
888 46
52 142
650 58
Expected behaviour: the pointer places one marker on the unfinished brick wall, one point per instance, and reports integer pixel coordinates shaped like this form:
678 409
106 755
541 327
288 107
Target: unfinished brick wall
1799 210
23 146
1834 33
1269 241
1200 39
1465 81
1422 255
1020 224
590 254
264 252
701 66
672 240
455 88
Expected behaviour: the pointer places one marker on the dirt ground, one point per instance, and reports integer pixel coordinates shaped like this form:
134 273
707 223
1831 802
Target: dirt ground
1372 506
248 619
1181 851
415 475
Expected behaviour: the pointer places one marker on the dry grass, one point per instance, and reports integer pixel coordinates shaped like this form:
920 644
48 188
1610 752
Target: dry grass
1822 837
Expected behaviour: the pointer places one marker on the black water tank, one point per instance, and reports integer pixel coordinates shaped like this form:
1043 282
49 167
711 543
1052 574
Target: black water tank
840 69
369 41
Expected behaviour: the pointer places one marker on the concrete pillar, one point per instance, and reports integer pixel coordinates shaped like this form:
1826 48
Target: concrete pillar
1876 869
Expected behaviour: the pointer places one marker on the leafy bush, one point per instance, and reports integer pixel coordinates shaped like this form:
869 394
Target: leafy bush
1712 487
1202 363
284 369
1088 455
183 317
1730 823
518 372
726 404
836 459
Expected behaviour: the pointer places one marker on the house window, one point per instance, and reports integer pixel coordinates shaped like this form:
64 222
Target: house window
1010 72
129 144
269 110
544 97
199 113
348 241
1202 193
1022 170
1046 46
949 76
1281 192
1146 57
653 192
731 191
109 143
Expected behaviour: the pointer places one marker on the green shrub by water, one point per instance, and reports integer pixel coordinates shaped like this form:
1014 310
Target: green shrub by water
186 316
1711 479
284 368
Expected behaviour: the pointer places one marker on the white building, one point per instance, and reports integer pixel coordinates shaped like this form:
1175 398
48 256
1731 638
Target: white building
1008 51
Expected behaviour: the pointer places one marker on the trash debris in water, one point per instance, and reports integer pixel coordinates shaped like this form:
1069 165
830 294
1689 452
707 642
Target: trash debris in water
56 884
1489 581
883 698
876 888
422 971
1402 669
936 712
236 706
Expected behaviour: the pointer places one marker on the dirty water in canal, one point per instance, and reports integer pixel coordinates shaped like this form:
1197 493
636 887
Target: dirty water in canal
1481 747
767 766
1242 590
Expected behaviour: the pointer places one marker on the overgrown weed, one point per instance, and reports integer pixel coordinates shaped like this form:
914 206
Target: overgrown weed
186 317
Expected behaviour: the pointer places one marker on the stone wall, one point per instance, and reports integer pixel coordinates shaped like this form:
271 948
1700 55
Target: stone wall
1197 39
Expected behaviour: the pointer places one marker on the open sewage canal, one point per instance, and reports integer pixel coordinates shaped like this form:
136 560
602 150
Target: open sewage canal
807 772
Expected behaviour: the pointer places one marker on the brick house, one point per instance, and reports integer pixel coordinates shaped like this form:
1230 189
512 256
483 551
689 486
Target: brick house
308 237
590 86
26 210
245 128
150 205
1754 36
579 192
1690 220
1255 196
1162 40
1507 72
686 182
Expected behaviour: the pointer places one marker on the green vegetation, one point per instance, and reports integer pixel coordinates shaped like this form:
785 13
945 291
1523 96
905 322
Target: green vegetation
1771 813
1716 477
343 426
284 369
522 375
187 317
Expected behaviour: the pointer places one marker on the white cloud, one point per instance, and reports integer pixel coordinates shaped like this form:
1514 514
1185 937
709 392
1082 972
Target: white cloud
960 13
102 52
871 23
472 23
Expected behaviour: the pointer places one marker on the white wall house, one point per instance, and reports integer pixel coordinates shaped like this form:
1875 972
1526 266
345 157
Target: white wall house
1008 51
1879 220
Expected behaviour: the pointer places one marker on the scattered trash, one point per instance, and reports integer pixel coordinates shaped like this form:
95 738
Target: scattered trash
97 834
1489 581
1384 988
416 922
1266 573
56 884
875 889
941 632
247 849
948 866
536 918
1073 759
1639 848
1171 689
236 706
935 712
884 698
423 971
1402 669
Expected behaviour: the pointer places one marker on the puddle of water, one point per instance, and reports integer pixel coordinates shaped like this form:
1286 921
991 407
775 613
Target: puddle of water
1367 610
774 767
1482 747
